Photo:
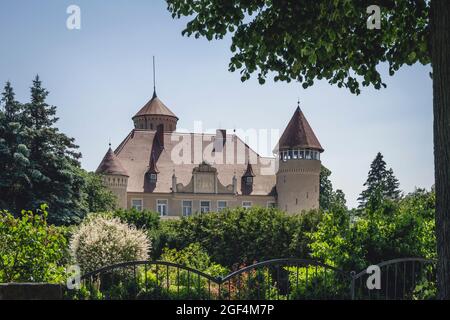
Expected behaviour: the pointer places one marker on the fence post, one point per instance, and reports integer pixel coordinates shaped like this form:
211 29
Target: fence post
352 274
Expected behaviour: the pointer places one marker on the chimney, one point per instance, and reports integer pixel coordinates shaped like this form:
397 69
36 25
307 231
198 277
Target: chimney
219 142
174 182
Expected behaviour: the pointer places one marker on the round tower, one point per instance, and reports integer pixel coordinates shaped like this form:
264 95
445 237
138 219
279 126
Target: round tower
115 177
155 114
298 175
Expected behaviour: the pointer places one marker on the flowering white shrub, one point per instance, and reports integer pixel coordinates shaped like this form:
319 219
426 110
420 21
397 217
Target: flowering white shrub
100 241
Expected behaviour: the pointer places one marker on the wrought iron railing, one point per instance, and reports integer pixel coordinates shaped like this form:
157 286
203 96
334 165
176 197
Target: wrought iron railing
278 279
400 279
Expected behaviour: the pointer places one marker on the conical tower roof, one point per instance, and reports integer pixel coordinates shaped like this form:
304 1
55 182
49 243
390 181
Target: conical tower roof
111 165
299 134
155 107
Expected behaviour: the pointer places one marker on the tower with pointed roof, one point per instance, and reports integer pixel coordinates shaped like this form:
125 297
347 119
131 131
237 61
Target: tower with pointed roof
298 175
115 177
155 114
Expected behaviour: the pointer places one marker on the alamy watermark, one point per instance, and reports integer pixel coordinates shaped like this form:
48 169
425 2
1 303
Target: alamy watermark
374 19
73 21
373 281
74 279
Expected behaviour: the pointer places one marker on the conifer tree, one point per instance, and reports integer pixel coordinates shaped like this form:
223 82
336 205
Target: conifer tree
381 184
39 164
392 185
14 162
53 161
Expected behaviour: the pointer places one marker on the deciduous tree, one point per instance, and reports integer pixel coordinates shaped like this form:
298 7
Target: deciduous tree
304 41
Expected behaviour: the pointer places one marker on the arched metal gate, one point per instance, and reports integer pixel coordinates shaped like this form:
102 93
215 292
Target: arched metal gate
277 279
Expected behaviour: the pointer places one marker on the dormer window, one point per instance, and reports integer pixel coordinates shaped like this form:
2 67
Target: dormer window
153 177
247 180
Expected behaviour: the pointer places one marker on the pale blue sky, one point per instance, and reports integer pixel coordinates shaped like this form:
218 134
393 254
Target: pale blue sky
101 75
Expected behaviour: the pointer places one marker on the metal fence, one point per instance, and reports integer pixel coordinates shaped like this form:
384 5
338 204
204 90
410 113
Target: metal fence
278 279
401 279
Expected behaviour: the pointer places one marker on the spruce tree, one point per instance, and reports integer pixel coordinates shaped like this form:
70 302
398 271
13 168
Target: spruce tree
14 162
38 164
53 159
392 185
381 184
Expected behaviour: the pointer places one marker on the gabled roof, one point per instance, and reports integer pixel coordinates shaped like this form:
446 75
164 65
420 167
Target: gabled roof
155 107
111 165
136 150
299 134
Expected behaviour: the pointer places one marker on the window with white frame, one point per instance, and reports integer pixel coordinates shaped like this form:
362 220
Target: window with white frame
162 207
246 204
205 206
136 204
221 204
153 177
308 155
187 207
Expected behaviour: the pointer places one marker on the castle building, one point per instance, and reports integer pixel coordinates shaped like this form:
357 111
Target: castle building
159 169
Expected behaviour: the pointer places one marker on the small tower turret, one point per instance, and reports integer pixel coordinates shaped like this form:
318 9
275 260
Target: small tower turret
154 114
299 166
115 177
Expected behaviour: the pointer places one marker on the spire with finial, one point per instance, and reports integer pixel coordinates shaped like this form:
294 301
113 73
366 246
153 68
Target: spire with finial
298 103
154 79
155 113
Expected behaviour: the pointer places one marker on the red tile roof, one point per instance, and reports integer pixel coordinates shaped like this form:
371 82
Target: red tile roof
155 107
111 165
136 150
299 134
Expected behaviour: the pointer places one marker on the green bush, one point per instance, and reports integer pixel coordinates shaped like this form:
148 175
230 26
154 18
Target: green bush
30 249
101 240
242 235
195 257
396 229
145 219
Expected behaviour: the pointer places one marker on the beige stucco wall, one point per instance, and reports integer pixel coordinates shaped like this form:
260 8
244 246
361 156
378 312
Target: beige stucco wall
118 185
298 185
175 201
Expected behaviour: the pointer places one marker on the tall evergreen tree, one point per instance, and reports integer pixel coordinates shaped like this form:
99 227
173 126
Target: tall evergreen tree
38 164
392 185
381 184
53 159
14 162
